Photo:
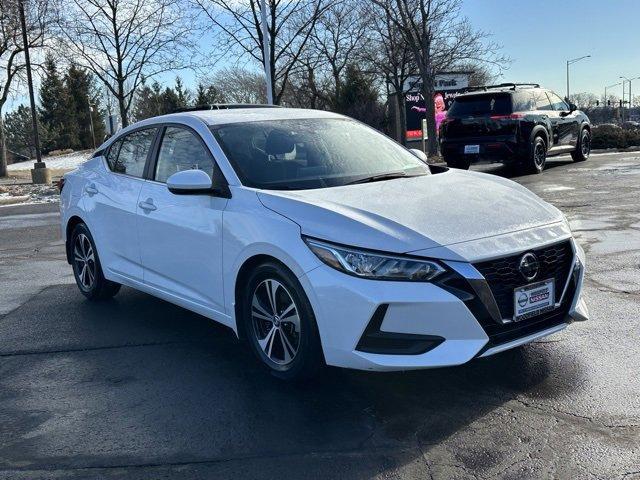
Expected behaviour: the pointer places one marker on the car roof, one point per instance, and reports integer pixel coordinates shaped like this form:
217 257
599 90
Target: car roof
256 114
499 89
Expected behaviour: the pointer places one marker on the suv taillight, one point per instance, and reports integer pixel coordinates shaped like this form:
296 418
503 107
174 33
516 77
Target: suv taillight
60 184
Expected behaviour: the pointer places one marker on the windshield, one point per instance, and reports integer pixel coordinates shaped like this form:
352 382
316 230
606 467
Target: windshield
480 105
312 153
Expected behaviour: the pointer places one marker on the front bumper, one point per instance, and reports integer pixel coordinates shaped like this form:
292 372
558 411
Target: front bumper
425 325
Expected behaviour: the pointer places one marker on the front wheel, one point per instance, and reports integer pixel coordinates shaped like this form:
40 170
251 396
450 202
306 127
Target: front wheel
583 149
86 266
279 323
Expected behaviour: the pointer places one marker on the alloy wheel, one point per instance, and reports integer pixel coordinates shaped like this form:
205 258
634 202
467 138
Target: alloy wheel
539 154
84 259
275 320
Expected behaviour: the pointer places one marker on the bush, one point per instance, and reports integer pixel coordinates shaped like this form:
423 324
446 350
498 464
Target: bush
55 153
612 136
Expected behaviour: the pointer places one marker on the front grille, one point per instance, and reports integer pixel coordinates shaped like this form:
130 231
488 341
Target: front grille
499 334
503 276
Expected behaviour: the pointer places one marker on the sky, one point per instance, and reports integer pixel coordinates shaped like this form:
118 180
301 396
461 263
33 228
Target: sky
540 36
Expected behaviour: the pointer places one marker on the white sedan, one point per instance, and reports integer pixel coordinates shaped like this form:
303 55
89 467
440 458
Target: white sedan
320 241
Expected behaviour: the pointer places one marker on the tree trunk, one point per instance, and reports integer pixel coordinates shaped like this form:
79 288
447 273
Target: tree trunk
432 141
122 105
402 116
3 149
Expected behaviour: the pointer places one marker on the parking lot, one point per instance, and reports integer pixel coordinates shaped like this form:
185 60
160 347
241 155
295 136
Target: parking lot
139 388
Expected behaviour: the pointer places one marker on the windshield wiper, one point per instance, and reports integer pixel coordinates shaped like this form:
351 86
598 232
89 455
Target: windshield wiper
378 178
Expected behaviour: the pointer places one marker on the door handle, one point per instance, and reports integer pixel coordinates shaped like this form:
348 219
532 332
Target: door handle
91 189
147 205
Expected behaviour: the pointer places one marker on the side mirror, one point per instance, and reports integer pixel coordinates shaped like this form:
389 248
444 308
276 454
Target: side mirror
572 107
420 154
189 181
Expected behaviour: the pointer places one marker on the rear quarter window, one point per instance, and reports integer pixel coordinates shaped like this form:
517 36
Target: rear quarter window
481 105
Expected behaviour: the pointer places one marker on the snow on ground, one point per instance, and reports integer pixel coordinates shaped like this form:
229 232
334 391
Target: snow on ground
62 162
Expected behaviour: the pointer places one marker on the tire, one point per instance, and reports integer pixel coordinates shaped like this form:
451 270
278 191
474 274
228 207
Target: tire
86 266
290 350
537 158
583 148
458 162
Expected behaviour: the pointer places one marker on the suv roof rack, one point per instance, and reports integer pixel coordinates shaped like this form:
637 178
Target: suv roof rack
223 106
510 86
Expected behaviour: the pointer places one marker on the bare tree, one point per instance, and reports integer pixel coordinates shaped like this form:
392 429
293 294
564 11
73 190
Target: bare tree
124 41
11 46
290 25
389 56
338 40
440 38
239 85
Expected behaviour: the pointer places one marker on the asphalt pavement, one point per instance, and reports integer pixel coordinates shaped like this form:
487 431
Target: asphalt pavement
138 388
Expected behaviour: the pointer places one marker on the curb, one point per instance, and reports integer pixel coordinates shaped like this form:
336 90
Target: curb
13 200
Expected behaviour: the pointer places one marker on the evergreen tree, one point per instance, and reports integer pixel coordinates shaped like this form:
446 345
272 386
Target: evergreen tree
148 102
182 94
207 95
83 108
54 109
359 99
170 101
19 133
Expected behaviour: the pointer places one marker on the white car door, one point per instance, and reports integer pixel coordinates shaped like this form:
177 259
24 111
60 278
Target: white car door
110 198
181 235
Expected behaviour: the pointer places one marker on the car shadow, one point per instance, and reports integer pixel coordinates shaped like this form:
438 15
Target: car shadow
138 381
512 171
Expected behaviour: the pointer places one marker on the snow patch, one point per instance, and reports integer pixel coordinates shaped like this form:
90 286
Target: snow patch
62 162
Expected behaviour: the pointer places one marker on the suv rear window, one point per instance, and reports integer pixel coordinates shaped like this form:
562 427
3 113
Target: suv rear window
480 105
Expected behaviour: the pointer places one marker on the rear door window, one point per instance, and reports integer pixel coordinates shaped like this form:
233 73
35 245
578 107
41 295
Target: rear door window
481 105
542 101
134 151
523 101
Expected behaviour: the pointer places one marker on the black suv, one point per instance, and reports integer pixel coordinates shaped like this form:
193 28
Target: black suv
512 123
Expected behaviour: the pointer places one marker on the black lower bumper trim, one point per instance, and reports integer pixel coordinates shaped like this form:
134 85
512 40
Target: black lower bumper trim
374 340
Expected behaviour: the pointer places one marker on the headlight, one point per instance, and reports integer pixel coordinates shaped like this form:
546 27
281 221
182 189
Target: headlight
362 263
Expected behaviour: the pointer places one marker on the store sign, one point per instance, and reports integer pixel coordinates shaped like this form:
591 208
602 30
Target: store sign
446 85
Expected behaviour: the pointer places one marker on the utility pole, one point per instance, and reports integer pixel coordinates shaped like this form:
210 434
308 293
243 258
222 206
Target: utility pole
630 97
266 51
40 173
571 62
93 135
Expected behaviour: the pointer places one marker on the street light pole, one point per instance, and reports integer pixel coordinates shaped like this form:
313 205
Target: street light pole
40 173
605 91
34 119
571 62
266 51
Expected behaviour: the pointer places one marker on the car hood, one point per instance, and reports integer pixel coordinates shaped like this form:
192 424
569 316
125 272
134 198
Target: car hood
416 213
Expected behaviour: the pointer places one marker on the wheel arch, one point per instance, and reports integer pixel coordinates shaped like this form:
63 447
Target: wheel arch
540 131
71 224
240 279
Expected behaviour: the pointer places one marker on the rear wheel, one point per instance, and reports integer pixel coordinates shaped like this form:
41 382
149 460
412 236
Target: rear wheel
537 156
279 323
86 266
583 149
